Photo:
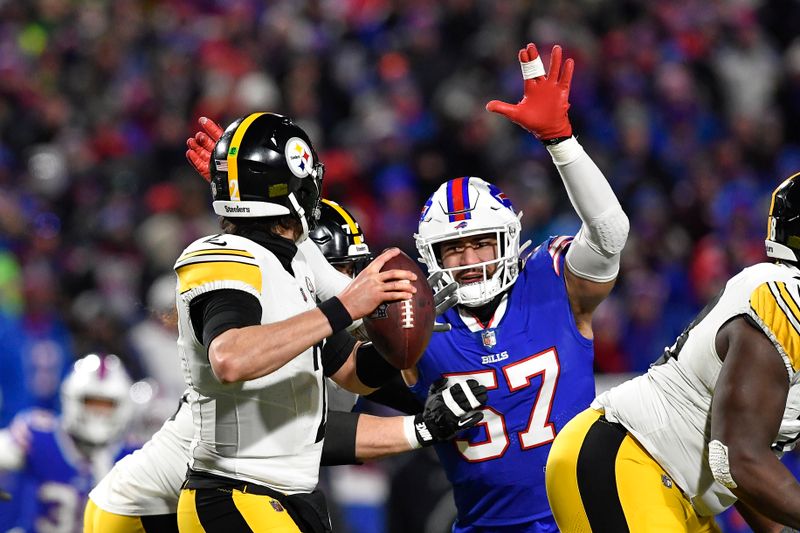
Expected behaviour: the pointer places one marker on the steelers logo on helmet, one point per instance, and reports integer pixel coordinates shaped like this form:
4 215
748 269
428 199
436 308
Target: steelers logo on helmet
299 157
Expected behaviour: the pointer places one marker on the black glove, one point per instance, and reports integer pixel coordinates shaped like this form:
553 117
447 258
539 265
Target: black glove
449 410
444 297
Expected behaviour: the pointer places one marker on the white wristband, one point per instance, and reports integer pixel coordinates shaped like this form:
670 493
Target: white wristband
410 433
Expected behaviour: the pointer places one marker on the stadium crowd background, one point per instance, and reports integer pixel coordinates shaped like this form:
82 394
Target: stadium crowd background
690 107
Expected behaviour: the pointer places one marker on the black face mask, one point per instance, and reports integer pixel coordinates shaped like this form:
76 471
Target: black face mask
283 248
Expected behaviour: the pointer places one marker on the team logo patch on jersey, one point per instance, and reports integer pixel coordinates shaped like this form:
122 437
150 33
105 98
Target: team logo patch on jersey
298 154
489 338
310 286
666 481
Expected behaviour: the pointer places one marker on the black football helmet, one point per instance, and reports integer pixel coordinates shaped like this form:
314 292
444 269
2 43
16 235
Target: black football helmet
264 165
340 238
783 223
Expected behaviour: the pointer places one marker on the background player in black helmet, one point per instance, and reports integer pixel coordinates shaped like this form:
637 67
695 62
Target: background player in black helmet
339 237
705 427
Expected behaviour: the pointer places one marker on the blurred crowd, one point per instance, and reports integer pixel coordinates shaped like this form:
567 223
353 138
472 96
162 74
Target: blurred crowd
690 107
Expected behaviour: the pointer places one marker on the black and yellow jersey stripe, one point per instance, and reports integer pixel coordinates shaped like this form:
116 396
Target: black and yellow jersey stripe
777 305
199 267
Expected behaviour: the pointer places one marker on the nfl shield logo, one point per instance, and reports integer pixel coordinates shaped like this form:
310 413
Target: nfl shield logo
489 338
276 505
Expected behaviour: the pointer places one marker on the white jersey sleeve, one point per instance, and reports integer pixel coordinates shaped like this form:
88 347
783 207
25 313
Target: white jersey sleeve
667 409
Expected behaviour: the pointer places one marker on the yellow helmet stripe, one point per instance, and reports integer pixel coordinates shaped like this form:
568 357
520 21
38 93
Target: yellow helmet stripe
354 229
233 154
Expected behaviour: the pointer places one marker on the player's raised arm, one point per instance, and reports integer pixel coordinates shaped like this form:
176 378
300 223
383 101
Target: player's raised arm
593 256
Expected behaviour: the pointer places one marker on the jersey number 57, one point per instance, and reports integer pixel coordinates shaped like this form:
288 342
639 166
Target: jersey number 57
518 376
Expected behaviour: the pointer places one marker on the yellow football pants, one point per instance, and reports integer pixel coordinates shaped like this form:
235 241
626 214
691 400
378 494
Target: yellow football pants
231 511
96 520
600 479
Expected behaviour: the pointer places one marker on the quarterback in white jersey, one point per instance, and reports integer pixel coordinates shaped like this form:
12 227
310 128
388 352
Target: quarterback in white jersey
251 336
257 265
707 424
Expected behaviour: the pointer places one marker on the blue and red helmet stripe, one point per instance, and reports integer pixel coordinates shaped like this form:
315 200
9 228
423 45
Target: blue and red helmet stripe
458 204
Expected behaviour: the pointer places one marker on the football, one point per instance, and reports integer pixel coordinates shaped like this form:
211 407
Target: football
400 330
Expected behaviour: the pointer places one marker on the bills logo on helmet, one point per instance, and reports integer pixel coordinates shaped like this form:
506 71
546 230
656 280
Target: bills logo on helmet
500 196
425 209
461 225
298 154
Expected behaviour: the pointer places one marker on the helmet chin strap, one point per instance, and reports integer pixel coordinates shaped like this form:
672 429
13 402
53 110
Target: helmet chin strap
302 214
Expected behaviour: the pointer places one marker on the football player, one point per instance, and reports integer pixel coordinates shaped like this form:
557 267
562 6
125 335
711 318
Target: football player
141 492
522 327
59 458
339 237
704 428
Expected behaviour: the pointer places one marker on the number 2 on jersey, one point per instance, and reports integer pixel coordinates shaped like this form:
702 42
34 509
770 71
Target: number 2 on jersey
518 376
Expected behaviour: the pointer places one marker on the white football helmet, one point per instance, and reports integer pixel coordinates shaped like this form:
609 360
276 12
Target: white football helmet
96 377
465 207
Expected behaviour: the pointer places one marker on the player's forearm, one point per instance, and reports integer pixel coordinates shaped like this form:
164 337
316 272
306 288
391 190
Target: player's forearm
595 252
242 354
758 522
378 437
763 483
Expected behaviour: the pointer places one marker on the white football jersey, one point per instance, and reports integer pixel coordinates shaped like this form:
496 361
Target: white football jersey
267 430
668 409
148 481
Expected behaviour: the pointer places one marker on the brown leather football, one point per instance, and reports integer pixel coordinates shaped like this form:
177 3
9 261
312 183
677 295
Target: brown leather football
400 330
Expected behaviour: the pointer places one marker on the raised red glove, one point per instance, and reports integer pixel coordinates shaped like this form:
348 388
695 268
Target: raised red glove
543 108
201 146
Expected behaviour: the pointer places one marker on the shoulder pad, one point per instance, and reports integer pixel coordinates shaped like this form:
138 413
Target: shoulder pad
775 306
555 248
219 258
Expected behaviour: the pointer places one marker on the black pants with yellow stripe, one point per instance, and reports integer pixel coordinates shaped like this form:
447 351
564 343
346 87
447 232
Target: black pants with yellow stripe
211 504
600 479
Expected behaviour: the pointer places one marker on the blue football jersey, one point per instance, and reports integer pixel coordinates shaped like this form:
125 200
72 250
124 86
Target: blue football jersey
537 368
55 481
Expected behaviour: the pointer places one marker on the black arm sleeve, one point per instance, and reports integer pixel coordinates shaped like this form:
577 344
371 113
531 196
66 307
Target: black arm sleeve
339 447
371 368
395 394
335 351
217 311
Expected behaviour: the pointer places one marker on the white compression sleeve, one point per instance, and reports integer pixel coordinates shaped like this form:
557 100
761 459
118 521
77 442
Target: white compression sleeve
595 251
